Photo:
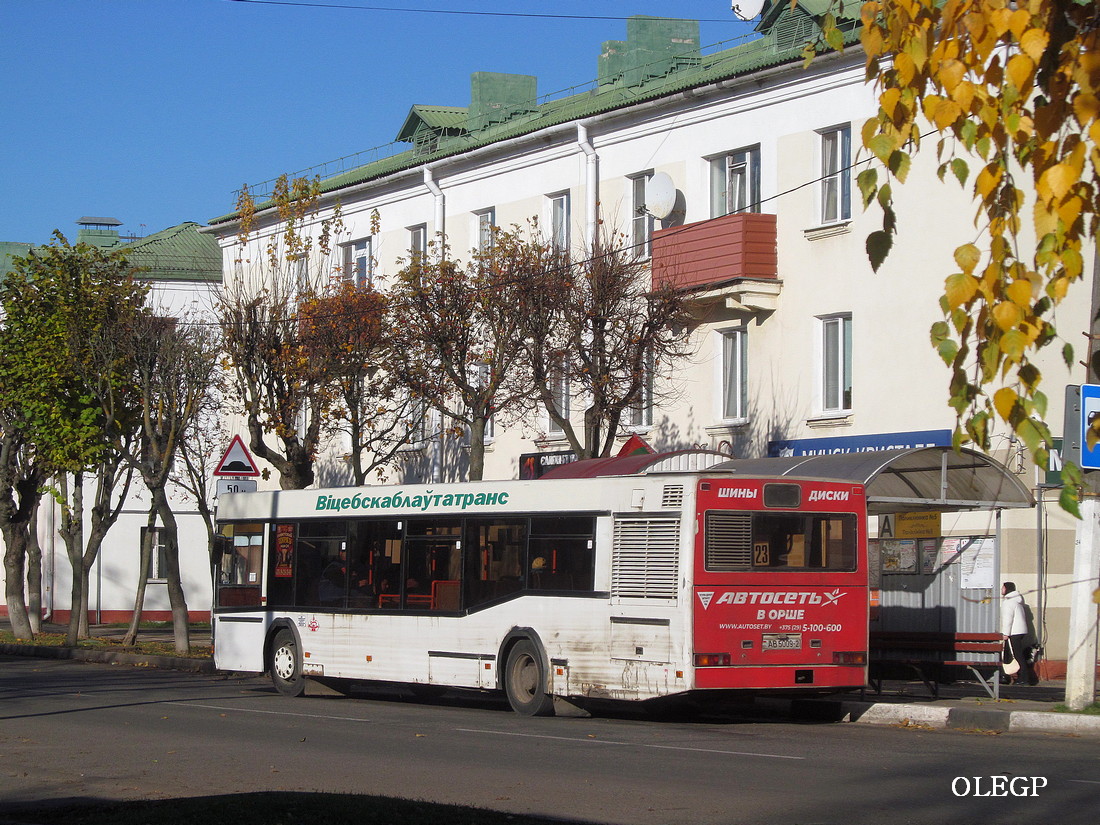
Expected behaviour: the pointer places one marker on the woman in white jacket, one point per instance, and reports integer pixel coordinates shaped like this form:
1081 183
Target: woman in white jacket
1013 629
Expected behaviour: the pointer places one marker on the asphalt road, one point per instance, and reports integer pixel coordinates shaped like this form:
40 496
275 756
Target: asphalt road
72 730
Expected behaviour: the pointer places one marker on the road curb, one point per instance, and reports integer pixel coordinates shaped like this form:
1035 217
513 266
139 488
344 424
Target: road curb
882 713
111 657
985 719
1077 723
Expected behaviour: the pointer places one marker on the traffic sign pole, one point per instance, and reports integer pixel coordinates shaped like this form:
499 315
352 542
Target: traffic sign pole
1081 661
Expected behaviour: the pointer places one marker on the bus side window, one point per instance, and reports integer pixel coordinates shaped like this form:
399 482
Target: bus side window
561 553
280 574
495 550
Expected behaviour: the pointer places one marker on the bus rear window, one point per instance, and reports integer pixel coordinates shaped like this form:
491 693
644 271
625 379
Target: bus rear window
779 541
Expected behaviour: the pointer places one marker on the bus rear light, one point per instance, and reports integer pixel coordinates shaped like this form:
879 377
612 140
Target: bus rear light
713 659
849 657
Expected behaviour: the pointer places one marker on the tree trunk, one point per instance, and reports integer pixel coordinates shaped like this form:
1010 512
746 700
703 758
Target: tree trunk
34 572
146 555
170 538
73 533
477 448
15 550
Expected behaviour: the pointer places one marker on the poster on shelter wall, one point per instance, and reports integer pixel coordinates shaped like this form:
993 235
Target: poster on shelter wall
899 556
978 563
929 555
975 557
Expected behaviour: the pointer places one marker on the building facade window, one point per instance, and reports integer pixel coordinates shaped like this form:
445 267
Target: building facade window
158 562
486 225
359 261
482 378
420 424
836 179
734 374
559 398
640 415
418 241
735 182
559 221
836 363
641 222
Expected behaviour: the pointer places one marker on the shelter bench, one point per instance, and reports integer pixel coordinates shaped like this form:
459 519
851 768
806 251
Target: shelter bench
927 654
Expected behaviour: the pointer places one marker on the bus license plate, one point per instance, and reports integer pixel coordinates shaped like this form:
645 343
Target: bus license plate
782 641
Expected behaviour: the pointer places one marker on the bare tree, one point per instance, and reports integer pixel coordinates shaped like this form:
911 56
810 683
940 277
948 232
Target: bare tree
460 347
596 331
350 328
174 364
286 396
198 452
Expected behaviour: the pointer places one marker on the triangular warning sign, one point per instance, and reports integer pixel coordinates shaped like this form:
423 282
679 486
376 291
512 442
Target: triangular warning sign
236 461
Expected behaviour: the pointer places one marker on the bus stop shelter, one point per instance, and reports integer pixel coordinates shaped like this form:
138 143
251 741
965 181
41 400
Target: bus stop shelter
905 480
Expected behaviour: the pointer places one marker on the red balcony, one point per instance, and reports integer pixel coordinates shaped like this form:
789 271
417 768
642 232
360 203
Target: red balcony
710 254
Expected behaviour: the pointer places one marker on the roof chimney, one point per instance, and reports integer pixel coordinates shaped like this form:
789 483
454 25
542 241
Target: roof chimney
100 232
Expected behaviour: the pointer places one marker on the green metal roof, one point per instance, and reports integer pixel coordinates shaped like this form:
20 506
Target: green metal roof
779 43
434 117
179 253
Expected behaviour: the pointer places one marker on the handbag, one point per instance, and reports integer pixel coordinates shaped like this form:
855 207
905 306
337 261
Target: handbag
1013 667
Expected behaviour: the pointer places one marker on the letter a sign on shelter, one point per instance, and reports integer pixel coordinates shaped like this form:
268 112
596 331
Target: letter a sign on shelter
236 461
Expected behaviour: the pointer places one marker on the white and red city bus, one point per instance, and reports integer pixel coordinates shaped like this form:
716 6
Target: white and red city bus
630 587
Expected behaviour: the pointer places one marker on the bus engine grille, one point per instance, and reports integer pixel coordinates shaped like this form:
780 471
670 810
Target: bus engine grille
645 559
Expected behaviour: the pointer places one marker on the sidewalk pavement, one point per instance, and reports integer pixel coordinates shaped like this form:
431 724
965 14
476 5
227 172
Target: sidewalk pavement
961 705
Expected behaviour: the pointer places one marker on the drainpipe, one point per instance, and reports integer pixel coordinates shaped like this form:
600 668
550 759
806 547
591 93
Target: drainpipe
51 527
440 214
591 181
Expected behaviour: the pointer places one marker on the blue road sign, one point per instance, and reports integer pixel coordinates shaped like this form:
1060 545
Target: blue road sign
1090 410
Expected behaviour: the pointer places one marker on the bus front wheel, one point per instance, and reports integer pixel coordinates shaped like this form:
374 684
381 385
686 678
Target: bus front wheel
285 665
525 681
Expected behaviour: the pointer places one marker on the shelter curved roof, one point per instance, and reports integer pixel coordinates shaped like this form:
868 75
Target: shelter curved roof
925 478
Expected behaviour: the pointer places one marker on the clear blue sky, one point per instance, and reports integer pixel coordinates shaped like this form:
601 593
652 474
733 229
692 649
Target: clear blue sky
155 111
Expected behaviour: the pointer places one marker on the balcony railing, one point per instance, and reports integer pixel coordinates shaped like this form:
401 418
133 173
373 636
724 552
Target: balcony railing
710 254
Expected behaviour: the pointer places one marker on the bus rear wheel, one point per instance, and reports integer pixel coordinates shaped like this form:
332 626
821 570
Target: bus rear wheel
525 681
285 665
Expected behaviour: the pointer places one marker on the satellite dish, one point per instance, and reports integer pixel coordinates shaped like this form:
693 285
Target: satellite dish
747 9
660 195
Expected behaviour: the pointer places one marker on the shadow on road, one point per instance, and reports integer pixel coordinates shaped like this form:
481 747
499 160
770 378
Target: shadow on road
271 808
